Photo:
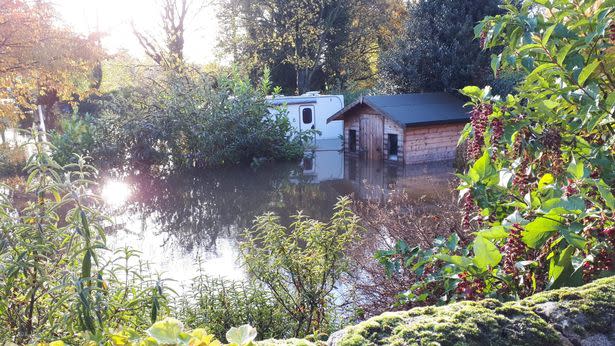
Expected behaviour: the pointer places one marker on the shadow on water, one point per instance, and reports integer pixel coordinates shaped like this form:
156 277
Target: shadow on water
181 219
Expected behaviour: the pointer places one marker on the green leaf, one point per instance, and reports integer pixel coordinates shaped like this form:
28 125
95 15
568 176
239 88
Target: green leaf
243 335
485 253
576 169
472 91
483 167
606 194
496 60
166 332
540 68
547 35
505 177
495 232
460 261
571 234
546 179
587 71
561 55
539 230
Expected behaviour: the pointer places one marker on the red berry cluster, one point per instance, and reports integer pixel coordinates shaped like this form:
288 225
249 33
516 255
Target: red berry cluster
513 250
468 209
611 34
470 289
604 257
570 189
603 261
497 128
522 177
483 39
552 158
479 118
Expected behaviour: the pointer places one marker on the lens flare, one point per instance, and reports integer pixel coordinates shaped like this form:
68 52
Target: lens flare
115 193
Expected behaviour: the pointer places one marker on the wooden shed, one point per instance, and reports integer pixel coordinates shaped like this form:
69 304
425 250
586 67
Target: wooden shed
410 128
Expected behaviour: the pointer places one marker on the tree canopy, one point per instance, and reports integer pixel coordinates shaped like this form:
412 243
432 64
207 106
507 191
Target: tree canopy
437 51
315 44
40 59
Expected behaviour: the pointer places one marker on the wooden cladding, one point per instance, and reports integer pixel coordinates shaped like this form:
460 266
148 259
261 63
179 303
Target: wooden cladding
431 143
368 135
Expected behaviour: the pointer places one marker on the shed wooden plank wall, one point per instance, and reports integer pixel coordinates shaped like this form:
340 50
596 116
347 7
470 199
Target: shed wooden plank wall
353 122
431 143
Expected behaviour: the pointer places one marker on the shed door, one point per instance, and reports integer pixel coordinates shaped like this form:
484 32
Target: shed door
371 138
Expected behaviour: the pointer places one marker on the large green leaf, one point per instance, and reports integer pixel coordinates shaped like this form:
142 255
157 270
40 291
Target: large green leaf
485 253
482 168
460 261
539 230
572 236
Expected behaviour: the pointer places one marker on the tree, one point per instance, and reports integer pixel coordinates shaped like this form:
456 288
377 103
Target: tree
40 62
169 54
437 51
307 44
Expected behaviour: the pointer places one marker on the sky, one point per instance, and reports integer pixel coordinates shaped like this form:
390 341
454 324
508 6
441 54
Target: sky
114 18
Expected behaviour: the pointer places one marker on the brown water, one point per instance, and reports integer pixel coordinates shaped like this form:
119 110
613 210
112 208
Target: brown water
179 221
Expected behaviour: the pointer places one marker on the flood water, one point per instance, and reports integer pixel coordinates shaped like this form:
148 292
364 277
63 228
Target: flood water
181 222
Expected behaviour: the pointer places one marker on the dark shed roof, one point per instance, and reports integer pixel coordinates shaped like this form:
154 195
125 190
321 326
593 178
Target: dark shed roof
413 109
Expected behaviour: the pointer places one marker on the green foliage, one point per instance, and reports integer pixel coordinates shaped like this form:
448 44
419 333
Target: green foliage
301 264
191 119
309 44
75 135
437 52
539 189
56 278
221 304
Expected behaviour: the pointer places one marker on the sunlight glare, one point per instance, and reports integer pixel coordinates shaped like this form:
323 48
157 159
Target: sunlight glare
115 193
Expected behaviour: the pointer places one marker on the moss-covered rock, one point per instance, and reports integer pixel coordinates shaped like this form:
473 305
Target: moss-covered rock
570 316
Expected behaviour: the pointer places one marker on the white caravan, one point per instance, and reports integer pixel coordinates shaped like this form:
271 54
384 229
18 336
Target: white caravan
310 111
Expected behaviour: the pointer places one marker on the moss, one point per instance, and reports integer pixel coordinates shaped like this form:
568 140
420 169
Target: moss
490 322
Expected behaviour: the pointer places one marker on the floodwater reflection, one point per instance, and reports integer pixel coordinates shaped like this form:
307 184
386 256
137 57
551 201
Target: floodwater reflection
182 221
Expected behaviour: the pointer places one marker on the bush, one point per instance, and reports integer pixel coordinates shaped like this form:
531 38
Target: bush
220 304
12 160
301 264
193 119
75 136
415 221
538 191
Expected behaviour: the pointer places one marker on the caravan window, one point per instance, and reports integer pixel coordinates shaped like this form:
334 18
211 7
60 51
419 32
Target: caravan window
306 114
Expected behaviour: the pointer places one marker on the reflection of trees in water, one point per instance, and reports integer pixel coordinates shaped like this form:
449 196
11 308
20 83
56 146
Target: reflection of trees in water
193 209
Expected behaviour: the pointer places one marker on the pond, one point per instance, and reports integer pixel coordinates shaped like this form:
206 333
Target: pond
183 223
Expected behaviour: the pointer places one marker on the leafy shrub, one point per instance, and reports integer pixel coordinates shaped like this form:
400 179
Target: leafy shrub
220 304
538 192
301 264
75 135
193 119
